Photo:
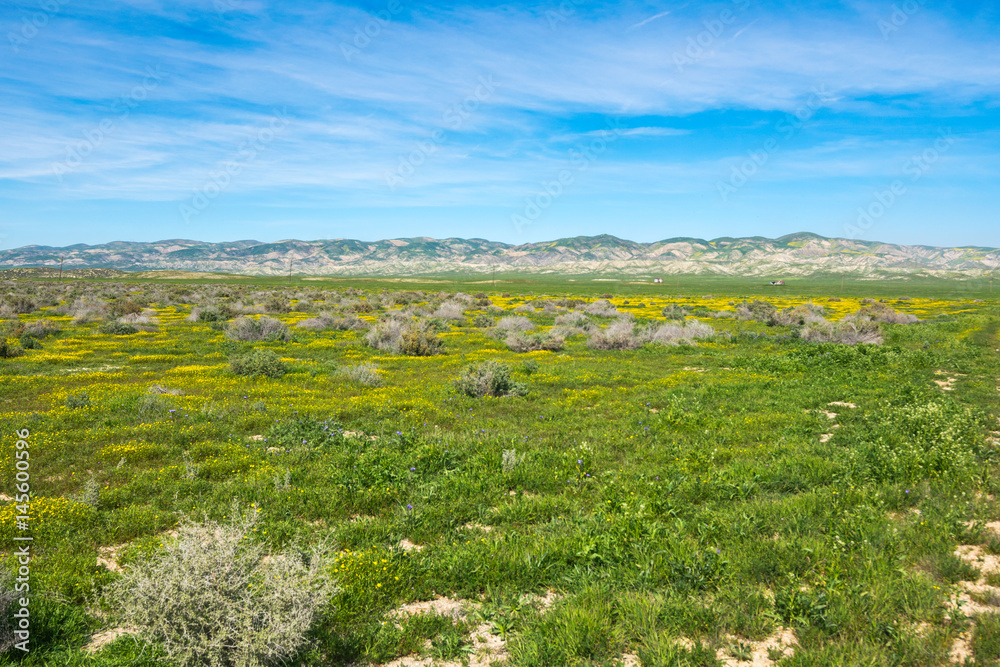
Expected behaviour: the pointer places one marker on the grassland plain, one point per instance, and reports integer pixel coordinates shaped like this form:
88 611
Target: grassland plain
748 495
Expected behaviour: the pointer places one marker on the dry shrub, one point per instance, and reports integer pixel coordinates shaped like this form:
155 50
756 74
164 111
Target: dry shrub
573 319
601 308
523 341
845 332
525 308
329 321
449 310
41 328
513 323
262 329
675 334
619 335
364 373
879 312
214 596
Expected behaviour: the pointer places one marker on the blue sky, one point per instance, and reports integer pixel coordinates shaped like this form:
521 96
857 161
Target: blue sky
245 119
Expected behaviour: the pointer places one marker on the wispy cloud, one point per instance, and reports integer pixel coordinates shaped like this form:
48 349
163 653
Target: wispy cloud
226 72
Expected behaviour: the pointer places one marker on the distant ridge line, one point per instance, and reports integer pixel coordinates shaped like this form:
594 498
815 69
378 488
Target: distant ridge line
802 253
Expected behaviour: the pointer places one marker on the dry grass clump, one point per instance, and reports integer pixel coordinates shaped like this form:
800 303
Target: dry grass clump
214 596
525 308
261 329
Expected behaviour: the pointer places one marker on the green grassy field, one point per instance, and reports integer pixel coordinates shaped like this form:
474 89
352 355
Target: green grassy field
747 494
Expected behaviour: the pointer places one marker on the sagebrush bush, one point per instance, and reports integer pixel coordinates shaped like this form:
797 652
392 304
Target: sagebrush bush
619 335
523 341
449 310
601 308
215 596
675 334
489 378
364 373
120 307
482 321
879 312
511 324
78 400
8 605
21 305
41 329
261 329
418 343
258 363
117 328
674 312
402 337
845 332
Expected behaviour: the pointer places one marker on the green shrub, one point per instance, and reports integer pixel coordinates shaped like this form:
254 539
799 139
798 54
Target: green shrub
118 328
482 321
41 329
674 312
418 343
22 305
8 351
262 329
29 342
489 378
122 307
258 362
908 443
213 596
78 400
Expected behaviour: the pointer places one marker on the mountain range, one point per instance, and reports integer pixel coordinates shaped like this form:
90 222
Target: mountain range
798 254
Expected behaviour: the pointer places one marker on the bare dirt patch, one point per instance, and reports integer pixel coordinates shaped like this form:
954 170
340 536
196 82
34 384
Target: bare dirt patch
407 545
105 637
842 404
